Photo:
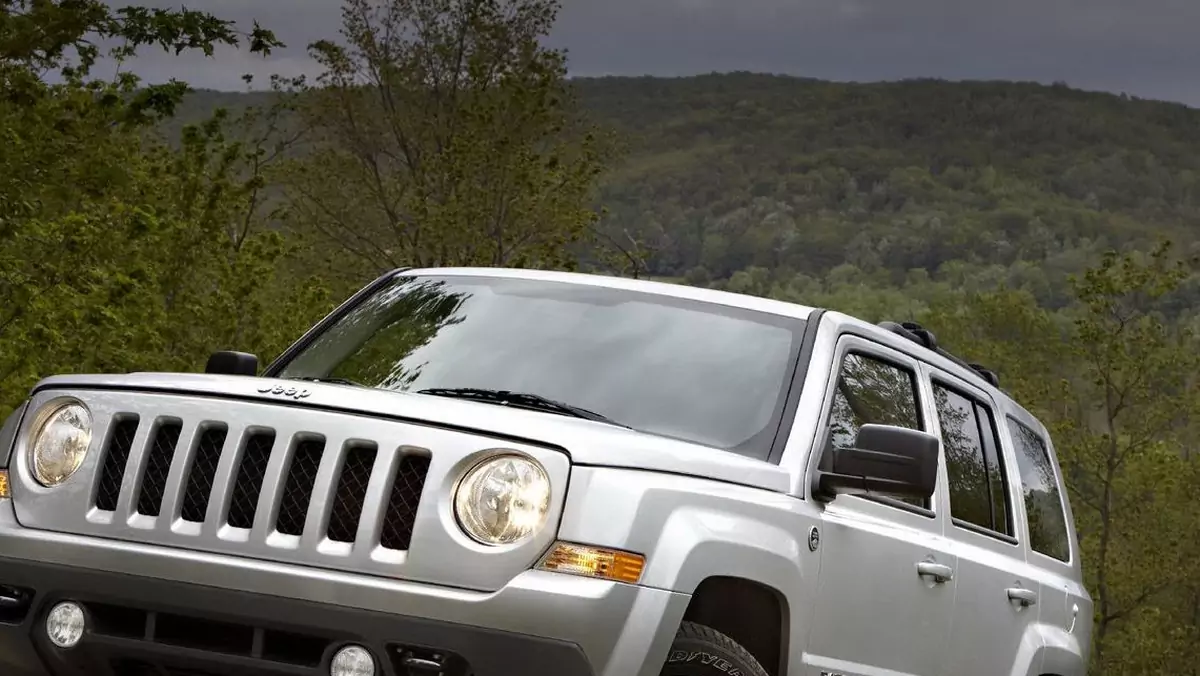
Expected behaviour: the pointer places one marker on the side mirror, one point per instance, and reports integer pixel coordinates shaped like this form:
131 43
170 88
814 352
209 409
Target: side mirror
232 363
886 460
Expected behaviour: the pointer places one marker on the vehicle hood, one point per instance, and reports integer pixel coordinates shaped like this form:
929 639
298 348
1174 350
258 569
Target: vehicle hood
586 442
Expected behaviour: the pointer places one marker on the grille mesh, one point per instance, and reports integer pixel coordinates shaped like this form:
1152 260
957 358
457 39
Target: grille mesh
402 504
203 471
244 501
158 466
351 493
113 471
297 491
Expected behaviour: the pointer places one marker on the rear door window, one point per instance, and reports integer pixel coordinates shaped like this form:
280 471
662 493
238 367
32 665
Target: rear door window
979 494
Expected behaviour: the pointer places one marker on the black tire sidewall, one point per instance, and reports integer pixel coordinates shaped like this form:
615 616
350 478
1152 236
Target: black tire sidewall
698 657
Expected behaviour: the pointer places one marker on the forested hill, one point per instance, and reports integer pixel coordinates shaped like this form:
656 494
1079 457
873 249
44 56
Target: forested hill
805 187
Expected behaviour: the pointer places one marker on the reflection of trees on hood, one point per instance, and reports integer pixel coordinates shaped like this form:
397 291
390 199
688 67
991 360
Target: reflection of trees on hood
967 474
870 392
398 322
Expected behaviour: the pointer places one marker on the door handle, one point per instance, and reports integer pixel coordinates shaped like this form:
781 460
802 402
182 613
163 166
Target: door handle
1023 596
939 572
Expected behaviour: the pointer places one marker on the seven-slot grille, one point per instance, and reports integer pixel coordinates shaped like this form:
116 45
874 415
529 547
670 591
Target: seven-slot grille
253 451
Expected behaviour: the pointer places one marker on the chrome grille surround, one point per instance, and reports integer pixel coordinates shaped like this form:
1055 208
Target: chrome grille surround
438 551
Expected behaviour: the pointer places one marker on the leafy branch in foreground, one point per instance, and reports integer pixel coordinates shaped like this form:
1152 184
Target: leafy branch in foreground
67 36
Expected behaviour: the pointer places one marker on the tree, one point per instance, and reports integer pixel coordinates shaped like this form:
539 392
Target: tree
445 134
1114 380
118 252
1122 444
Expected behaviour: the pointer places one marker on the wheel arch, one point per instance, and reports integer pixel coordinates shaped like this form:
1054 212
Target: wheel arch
753 614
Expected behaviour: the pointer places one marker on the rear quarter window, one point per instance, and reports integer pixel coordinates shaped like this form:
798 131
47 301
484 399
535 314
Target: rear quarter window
1041 492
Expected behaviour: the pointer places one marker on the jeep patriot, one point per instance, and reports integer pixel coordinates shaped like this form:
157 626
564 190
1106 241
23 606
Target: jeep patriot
486 472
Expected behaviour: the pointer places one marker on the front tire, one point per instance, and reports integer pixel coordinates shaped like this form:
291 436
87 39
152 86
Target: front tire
701 651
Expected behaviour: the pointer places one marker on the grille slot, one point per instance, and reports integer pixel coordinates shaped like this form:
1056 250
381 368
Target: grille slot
405 496
203 471
242 479
120 442
244 501
351 493
203 634
297 490
158 466
261 648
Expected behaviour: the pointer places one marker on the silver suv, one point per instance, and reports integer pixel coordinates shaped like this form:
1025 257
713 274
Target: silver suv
500 472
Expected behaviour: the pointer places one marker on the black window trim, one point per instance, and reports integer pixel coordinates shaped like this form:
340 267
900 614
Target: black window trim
1010 421
877 352
939 378
992 442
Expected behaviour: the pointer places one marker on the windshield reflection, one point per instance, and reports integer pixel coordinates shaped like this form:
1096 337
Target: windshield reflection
700 372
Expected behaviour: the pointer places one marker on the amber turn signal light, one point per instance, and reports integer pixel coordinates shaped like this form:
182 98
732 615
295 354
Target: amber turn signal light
4 484
595 562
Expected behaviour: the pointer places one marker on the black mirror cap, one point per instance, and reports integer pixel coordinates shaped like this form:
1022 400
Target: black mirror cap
886 460
228 362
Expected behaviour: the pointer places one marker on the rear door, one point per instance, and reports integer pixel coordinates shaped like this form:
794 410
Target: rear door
996 601
885 590
1064 608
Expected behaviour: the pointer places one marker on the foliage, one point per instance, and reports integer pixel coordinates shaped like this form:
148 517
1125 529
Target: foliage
792 175
1115 382
116 252
444 135
39 36
1122 447
878 197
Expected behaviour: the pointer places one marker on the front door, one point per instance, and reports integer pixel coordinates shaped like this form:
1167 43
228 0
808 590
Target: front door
885 591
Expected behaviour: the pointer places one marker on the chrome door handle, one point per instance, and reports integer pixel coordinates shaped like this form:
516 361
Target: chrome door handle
939 572
1023 596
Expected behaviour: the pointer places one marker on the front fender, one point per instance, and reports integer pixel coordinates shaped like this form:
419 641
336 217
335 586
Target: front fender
690 529
8 433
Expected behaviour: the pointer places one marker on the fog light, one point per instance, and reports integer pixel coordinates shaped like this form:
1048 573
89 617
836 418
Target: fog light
65 624
353 660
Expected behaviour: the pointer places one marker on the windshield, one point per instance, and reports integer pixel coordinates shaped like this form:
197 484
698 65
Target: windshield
700 372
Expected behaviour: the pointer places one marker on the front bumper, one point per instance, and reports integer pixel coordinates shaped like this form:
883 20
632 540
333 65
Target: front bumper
154 610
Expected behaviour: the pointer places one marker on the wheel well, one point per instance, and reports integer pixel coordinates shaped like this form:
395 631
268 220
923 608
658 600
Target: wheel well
748 612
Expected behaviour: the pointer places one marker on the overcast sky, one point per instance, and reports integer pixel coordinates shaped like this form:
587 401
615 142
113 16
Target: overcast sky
1148 48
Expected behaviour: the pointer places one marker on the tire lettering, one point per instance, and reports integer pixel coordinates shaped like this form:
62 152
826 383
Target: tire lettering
707 659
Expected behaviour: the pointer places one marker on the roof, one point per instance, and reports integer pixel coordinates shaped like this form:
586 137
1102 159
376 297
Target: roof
728 298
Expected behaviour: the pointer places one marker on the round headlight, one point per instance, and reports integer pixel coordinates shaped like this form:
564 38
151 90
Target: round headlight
60 444
503 500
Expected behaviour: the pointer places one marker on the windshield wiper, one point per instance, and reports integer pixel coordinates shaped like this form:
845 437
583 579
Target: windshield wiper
334 381
528 400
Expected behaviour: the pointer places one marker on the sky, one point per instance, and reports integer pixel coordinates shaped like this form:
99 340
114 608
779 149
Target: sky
1145 48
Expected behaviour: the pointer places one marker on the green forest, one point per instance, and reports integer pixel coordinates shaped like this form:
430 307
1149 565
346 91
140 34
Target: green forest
1041 230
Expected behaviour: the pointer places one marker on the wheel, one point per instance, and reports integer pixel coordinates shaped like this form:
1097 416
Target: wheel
700 651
